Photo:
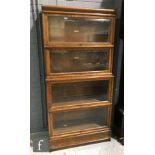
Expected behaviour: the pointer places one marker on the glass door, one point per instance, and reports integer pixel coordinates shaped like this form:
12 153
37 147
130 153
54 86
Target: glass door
69 28
84 93
73 121
78 60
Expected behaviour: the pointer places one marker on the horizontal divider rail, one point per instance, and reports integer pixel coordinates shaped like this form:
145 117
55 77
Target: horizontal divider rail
75 77
78 106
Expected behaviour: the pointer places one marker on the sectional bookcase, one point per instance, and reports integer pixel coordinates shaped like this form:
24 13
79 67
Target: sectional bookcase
78 56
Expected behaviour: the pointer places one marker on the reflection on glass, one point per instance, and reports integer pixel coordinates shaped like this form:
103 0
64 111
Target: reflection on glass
79 61
78 29
80 92
79 120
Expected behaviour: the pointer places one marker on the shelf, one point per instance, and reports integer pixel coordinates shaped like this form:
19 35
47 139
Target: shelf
76 106
79 76
77 10
78 45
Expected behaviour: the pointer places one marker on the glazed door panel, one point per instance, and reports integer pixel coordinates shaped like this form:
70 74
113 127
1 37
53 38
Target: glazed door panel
79 29
78 60
73 121
73 93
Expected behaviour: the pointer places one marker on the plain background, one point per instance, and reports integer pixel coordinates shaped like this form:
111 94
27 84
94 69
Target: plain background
139 77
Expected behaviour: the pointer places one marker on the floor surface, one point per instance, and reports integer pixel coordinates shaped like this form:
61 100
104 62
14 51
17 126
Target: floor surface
105 148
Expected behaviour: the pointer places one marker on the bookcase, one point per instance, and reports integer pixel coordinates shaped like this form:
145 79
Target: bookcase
78 56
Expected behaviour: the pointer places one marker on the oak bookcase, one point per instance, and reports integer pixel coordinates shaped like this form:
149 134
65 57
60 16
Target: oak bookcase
78 56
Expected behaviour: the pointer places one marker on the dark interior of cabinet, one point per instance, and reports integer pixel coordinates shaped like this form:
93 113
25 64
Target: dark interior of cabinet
78 29
79 120
80 92
79 60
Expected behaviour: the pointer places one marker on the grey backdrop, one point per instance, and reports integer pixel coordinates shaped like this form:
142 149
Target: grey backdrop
38 121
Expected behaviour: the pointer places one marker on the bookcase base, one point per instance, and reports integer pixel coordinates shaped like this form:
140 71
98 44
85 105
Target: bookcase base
78 140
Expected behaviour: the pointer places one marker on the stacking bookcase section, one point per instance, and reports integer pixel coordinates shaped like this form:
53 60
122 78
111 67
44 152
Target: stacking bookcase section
77 27
78 56
79 94
80 120
78 60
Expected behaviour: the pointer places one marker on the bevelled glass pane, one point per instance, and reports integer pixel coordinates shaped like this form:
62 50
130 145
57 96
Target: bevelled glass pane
79 120
78 29
79 60
80 92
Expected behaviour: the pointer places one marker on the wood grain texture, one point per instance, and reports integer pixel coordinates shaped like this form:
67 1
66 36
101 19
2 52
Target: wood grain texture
74 77
75 9
77 45
77 106
82 138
